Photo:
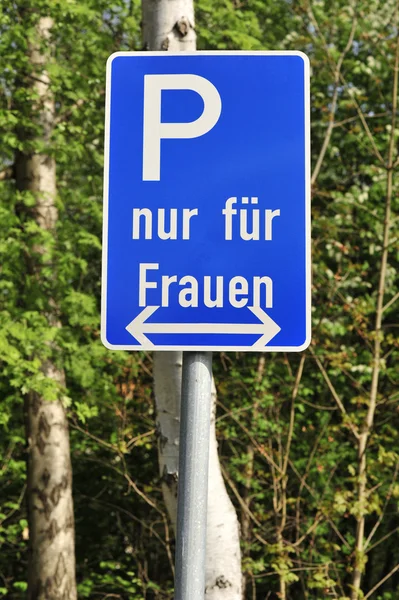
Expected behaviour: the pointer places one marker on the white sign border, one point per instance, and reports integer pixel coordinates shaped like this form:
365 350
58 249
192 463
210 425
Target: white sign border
308 262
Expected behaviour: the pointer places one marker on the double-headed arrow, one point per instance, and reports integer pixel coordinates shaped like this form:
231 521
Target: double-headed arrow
267 328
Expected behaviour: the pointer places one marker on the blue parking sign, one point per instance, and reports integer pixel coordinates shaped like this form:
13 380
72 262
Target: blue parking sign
206 241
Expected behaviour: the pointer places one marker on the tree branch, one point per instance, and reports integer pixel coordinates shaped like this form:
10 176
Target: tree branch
379 584
333 108
391 301
335 395
380 518
241 502
342 79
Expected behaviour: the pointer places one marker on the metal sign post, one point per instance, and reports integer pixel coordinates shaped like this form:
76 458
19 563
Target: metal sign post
193 476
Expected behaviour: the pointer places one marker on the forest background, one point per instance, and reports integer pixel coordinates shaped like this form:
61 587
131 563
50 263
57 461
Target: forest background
308 442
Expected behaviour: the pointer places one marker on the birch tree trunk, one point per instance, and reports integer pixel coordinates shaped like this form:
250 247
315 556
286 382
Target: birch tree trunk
169 25
223 578
167 372
51 573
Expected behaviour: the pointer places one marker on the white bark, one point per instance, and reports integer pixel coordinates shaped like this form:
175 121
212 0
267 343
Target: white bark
50 507
223 580
168 25
167 372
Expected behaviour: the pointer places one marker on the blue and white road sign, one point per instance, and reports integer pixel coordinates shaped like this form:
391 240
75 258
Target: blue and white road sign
207 202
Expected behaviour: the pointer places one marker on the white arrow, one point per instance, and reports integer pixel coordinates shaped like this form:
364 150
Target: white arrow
267 328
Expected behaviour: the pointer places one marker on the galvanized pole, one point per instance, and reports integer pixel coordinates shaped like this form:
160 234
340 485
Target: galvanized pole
193 476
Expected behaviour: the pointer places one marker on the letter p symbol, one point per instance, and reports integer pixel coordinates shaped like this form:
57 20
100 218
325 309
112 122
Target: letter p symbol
154 131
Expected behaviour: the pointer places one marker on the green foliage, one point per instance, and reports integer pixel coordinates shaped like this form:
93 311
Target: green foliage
299 529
